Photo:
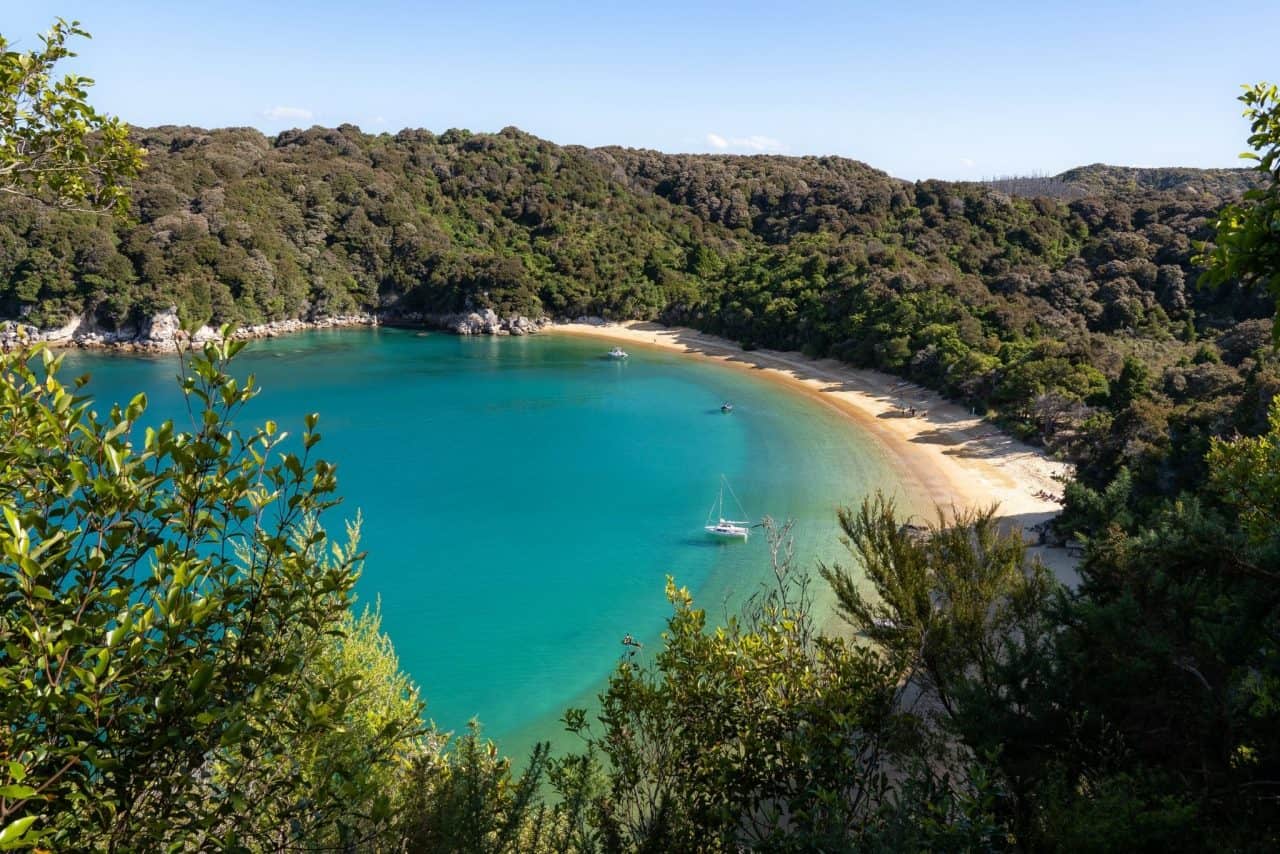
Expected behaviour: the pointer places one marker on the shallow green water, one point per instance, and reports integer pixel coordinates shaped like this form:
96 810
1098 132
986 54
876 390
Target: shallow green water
525 498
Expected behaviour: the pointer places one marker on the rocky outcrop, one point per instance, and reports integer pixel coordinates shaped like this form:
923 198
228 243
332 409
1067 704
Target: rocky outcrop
160 331
14 334
287 327
521 325
80 331
163 331
487 322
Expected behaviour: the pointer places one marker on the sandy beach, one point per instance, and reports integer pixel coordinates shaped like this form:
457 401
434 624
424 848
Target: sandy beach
945 455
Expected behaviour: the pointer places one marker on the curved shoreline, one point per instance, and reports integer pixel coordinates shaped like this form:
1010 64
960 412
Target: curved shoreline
948 457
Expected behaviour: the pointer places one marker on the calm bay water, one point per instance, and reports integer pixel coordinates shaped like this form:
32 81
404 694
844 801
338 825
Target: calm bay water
524 499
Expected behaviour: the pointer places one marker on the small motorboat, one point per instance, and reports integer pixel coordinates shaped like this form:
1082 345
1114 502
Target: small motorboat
617 353
726 407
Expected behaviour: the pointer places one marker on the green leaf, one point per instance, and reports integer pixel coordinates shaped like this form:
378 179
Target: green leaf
113 458
200 679
15 830
17 792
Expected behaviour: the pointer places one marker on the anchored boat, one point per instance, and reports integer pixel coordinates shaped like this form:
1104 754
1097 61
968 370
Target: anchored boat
726 528
617 353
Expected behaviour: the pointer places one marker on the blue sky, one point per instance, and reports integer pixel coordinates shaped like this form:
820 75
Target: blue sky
919 89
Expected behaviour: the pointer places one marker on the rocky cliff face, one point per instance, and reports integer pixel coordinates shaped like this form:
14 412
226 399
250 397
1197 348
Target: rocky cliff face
162 331
158 333
79 331
487 322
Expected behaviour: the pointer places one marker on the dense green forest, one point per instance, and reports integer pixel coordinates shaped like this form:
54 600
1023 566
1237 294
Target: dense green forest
1026 306
179 665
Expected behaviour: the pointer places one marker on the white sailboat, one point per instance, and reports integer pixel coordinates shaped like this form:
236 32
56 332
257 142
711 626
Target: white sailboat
726 528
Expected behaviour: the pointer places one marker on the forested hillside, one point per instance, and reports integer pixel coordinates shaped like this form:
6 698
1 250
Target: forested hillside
1027 306
235 226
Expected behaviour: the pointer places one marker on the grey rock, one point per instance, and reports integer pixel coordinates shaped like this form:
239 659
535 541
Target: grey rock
161 329
486 322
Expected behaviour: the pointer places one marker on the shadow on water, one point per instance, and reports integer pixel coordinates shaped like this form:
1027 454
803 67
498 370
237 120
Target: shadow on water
709 542
699 542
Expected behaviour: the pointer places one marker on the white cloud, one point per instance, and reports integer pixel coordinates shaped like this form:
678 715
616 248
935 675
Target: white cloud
759 143
287 113
755 143
967 162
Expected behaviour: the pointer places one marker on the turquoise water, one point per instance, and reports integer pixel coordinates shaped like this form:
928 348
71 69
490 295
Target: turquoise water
524 499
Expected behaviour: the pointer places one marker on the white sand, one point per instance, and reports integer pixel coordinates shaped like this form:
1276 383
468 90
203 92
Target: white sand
945 455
